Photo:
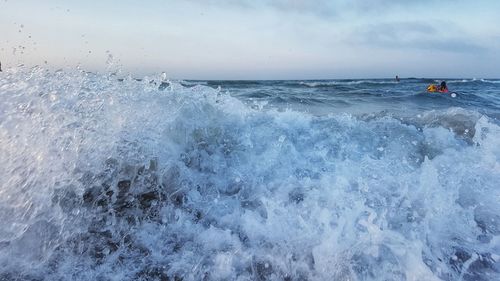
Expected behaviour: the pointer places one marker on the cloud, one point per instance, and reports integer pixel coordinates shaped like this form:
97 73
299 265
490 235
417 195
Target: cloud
412 35
321 8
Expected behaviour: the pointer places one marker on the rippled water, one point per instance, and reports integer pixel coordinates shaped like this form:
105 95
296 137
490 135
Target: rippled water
144 179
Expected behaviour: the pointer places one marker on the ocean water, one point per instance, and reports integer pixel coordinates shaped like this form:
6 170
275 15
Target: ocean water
115 178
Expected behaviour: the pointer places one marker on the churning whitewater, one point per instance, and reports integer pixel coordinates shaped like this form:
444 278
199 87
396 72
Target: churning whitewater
144 179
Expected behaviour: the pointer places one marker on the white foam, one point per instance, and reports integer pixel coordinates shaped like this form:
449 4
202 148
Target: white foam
263 194
355 82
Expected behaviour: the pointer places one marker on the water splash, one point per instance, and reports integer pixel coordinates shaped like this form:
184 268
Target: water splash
121 180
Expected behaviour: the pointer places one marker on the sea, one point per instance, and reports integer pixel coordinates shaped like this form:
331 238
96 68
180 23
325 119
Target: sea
106 176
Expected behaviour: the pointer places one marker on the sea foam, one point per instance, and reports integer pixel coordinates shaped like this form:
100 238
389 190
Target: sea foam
107 179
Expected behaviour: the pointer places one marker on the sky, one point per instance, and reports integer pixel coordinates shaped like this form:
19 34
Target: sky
256 39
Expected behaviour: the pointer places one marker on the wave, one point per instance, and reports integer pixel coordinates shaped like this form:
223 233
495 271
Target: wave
473 80
244 84
104 179
314 84
490 81
188 83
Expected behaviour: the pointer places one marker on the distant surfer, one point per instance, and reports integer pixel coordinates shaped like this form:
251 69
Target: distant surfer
0 66
397 78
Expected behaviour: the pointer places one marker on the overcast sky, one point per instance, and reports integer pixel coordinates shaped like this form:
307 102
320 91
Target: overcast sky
257 39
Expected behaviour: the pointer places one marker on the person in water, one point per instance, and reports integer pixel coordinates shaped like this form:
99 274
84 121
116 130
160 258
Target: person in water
443 88
397 78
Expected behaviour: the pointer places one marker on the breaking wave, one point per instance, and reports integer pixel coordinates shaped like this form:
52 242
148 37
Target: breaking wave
125 180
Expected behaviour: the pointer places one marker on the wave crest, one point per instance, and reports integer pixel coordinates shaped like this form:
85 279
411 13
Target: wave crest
119 179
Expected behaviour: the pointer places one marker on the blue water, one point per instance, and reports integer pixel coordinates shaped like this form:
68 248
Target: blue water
368 95
116 178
